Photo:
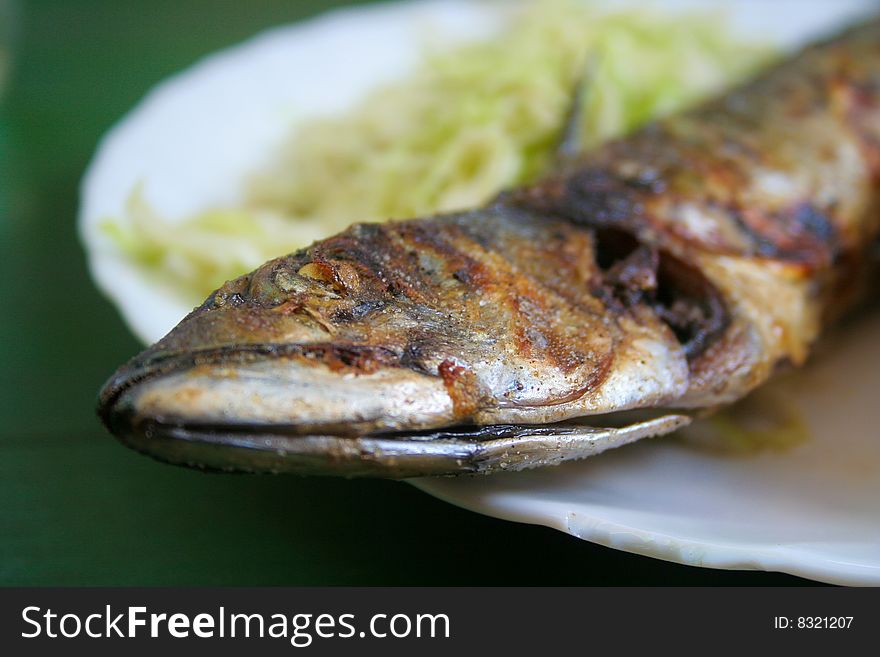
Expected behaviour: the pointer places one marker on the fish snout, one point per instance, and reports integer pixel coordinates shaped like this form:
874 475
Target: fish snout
281 396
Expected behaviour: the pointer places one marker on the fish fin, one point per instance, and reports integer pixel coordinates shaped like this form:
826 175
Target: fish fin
571 138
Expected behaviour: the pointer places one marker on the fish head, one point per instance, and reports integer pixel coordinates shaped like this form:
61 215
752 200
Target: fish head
402 349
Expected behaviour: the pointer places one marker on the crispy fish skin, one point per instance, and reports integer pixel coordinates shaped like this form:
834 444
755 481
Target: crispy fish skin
675 268
770 192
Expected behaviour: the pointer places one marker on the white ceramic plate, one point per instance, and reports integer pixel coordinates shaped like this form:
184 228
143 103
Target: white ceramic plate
811 509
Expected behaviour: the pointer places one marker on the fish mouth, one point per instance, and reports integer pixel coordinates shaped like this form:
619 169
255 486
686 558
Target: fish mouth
188 409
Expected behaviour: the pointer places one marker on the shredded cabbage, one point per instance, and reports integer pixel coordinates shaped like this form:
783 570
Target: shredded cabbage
469 122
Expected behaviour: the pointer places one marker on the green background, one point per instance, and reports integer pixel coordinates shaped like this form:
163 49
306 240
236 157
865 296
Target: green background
76 507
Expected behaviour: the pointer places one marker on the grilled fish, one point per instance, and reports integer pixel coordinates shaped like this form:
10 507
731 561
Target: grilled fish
665 274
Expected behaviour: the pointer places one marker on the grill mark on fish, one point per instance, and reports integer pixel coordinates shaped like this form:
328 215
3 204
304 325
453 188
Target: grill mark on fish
533 301
802 234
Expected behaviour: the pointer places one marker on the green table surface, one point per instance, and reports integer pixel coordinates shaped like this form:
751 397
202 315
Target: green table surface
76 508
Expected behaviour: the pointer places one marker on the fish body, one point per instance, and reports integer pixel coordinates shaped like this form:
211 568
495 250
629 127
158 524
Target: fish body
672 270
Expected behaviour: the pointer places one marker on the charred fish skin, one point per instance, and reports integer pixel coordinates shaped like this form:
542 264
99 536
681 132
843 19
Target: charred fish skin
675 268
770 192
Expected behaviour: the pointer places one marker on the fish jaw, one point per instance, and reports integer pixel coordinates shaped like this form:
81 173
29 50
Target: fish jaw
275 387
275 414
